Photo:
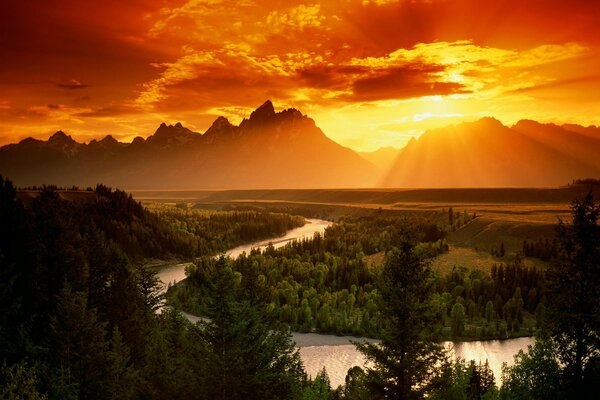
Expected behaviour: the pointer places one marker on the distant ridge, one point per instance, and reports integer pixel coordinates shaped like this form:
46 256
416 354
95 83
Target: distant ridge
267 150
486 153
285 150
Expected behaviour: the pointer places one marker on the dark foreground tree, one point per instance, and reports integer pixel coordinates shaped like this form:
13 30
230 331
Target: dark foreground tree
404 363
461 380
536 375
573 317
248 357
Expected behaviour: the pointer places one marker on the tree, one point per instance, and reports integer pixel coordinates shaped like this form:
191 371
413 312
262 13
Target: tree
458 320
319 388
20 381
404 363
248 356
573 314
80 346
460 380
355 385
535 375
489 311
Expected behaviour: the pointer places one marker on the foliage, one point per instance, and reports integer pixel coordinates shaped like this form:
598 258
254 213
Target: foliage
460 380
324 284
535 374
318 388
573 316
404 363
212 232
247 356
72 299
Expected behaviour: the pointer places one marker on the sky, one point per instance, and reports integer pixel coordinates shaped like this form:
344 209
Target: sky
372 73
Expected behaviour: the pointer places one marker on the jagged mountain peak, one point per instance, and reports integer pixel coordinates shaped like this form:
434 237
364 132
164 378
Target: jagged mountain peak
60 137
170 135
265 111
220 124
109 139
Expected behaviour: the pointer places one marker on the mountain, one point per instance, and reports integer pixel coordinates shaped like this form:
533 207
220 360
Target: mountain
383 158
267 150
486 153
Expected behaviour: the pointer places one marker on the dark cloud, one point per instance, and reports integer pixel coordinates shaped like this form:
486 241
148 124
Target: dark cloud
53 106
328 76
72 85
404 83
107 111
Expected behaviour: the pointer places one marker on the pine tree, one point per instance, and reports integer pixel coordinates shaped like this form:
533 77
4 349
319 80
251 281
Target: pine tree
458 320
404 363
248 356
573 314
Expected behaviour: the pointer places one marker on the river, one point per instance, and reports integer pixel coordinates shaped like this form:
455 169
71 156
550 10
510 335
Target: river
174 273
336 353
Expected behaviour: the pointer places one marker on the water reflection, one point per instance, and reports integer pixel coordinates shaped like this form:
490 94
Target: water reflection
338 359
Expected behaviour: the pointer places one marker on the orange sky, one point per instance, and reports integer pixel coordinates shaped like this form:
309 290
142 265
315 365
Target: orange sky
371 72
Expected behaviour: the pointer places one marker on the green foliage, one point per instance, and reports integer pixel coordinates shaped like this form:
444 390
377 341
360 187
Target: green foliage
458 320
318 388
509 296
319 284
247 357
405 362
460 380
535 374
20 382
72 300
212 232
355 386
573 314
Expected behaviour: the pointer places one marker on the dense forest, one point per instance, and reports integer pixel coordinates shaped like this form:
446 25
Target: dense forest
80 318
212 232
78 315
326 285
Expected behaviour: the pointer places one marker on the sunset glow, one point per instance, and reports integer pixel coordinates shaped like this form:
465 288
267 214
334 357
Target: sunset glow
371 73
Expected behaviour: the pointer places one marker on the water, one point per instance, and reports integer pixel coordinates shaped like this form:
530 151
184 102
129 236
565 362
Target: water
337 359
307 231
336 353
175 273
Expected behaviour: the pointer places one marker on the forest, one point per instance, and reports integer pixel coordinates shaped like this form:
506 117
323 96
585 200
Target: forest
326 285
81 318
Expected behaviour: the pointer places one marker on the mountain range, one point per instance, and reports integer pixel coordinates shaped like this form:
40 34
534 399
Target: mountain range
486 153
287 150
267 150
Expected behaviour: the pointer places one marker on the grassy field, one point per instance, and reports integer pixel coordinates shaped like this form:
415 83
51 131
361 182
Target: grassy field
504 215
378 197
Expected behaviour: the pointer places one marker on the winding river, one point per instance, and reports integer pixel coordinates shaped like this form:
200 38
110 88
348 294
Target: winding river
336 353
175 273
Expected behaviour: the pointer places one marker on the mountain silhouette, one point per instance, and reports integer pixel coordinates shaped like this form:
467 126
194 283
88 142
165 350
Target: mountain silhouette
286 149
486 153
267 150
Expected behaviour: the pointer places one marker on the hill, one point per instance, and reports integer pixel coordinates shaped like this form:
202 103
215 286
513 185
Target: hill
267 150
486 153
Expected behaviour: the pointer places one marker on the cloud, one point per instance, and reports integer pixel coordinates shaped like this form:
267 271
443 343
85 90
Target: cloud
353 64
72 84
404 83
202 77
108 111
300 17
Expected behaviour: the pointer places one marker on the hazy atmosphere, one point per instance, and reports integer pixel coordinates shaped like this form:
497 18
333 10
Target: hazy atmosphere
300 200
